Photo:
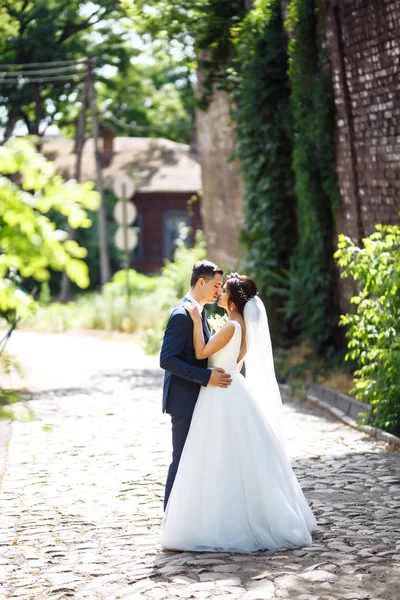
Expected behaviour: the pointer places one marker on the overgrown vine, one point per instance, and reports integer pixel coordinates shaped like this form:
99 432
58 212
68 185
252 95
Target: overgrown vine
264 129
312 296
283 111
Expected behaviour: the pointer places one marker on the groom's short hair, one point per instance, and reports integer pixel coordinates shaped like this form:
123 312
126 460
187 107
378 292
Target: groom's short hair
204 269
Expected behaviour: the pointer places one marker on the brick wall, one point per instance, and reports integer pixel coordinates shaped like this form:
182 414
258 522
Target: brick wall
364 48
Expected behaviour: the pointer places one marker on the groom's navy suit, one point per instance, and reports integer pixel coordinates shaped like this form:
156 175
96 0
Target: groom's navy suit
184 374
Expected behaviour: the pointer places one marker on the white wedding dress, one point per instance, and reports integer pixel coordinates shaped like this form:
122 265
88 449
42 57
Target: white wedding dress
235 489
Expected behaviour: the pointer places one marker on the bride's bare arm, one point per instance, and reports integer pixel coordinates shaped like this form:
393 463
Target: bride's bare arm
218 341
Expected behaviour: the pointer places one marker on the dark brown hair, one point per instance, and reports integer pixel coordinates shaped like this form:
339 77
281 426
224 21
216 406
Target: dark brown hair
204 269
240 289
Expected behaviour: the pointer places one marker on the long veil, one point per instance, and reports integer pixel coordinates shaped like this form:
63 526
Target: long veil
259 361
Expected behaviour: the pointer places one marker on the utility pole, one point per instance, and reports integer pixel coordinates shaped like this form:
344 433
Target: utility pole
103 238
80 139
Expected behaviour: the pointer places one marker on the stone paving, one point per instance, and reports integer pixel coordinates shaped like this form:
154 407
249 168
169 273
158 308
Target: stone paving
81 497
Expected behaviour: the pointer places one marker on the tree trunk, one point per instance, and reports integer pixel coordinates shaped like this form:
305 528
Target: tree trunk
39 113
13 116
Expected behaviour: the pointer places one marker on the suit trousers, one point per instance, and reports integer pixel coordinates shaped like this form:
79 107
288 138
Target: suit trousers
180 430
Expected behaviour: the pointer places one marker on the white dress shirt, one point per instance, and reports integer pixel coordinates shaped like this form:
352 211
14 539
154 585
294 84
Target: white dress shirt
199 306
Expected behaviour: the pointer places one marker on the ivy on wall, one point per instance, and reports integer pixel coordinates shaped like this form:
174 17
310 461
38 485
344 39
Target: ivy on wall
312 291
265 136
279 79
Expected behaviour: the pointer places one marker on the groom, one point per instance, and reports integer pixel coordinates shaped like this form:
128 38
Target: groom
184 373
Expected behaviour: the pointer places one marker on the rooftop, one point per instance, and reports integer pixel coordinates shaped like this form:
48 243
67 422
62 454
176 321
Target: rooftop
156 165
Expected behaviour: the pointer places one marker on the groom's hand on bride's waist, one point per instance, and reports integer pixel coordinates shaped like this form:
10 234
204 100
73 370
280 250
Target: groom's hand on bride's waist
219 378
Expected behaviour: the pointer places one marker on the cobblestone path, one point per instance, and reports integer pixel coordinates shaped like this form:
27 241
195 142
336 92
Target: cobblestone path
81 497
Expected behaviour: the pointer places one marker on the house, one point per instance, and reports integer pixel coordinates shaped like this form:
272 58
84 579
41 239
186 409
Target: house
168 181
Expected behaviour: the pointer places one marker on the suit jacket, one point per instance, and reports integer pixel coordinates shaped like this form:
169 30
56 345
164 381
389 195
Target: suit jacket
184 373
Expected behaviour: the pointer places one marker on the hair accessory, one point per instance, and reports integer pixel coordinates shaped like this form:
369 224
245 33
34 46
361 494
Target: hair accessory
235 277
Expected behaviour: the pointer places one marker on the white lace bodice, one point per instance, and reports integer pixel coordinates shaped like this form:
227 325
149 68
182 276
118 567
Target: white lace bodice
226 358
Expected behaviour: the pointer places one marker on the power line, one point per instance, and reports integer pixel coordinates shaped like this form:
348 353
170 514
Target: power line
43 64
52 74
25 79
40 71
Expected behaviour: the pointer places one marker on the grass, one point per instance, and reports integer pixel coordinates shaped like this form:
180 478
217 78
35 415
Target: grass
8 397
12 405
300 365
142 316
6 414
338 381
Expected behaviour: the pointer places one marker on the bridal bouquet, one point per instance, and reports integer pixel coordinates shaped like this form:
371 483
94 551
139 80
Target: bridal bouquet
216 322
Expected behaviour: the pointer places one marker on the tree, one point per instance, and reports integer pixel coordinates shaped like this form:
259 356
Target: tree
203 29
8 27
46 31
154 98
30 243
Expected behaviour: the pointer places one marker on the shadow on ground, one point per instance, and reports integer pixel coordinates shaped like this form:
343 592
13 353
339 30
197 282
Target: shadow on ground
356 499
131 378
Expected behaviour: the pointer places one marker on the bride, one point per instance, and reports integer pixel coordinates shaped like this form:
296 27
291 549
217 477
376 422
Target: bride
235 489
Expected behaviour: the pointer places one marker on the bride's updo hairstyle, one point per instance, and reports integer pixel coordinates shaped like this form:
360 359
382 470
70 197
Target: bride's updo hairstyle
240 289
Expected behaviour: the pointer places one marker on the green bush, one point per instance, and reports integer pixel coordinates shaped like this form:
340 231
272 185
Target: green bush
152 341
144 313
175 275
137 283
374 329
100 311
